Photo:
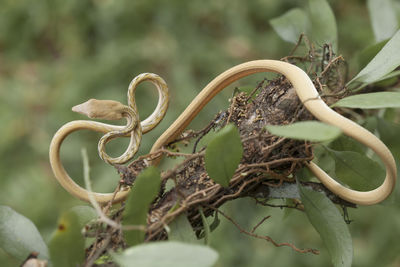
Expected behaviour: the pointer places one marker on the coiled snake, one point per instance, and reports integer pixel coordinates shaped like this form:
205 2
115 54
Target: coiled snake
107 109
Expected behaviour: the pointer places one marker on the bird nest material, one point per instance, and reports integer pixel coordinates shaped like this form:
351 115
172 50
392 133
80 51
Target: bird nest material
268 161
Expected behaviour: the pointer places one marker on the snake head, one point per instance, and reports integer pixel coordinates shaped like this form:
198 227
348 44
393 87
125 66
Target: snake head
101 109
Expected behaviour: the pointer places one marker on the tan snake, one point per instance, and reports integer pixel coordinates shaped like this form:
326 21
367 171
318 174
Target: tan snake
110 110
305 91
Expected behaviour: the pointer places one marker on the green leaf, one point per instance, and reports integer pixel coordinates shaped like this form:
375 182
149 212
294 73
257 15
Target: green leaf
287 211
306 130
390 75
389 133
323 22
370 101
382 64
383 18
325 161
328 222
388 80
67 245
211 227
371 123
144 191
206 227
85 214
368 53
390 114
291 25
215 223
19 236
357 170
167 254
345 143
223 155
181 230
305 174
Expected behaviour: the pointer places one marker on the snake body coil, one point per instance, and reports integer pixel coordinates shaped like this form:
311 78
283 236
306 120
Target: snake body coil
107 109
308 96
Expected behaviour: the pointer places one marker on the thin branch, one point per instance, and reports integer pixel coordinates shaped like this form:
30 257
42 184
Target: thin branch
96 206
267 238
261 222
90 261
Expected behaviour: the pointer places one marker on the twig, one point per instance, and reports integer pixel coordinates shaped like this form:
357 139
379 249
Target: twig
261 222
96 206
98 252
297 206
175 169
258 87
231 108
267 238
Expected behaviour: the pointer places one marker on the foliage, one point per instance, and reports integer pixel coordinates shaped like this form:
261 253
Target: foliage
168 254
56 53
327 220
383 18
357 170
324 30
306 130
385 61
67 245
144 190
223 155
291 25
370 101
181 230
19 236
317 21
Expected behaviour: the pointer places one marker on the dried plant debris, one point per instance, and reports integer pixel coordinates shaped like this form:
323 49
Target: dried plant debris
268 161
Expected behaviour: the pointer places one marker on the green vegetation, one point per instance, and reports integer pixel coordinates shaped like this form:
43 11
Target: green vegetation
56 54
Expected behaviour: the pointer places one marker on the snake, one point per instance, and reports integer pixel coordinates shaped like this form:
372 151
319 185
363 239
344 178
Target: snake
307 94
109 110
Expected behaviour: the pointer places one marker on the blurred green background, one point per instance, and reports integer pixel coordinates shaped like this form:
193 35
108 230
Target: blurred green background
55 54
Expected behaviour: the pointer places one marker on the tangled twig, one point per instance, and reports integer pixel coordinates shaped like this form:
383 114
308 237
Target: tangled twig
267 238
